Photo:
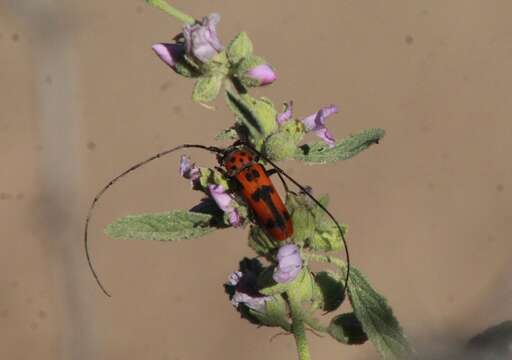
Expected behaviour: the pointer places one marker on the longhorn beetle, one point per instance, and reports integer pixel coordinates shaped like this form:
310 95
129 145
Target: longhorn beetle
240 164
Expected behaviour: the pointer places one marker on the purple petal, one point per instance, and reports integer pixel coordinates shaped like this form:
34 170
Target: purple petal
289 264
286 114
234 278
326 136
224 202
222 199
286 251
210 22
201 40
234 218
263 73
187 170
255 303
169 53
316 123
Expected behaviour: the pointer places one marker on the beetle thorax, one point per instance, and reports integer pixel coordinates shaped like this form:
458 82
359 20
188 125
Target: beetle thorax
238 159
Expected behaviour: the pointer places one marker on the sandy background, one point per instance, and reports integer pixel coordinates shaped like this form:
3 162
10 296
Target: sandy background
82 97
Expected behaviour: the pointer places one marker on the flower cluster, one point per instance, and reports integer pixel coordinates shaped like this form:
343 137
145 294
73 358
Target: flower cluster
276 288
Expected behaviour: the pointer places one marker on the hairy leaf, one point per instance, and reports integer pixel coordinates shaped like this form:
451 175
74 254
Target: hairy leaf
207 88
228 134
276 313
261 243
329 289
258 116
168 226
239 48
377 318
320 153
347 329
245 116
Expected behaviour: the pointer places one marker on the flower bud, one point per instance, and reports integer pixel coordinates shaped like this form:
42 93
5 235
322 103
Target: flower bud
255 71
289 264
170 54
263 74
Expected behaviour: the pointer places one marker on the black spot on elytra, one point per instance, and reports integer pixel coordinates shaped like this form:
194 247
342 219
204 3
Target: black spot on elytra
249 176
233 159
256 196
270 224
255 173
240 160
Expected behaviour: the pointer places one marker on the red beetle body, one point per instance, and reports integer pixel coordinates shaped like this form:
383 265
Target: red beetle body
259 193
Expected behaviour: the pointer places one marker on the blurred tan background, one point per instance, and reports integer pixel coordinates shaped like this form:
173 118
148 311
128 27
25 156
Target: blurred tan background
82 97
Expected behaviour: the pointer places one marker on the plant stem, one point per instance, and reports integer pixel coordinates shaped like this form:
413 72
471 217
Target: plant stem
298 329
171 10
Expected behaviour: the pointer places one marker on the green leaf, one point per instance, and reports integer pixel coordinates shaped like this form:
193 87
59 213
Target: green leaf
330 290
258 116
207 88
327 236
185 69
303 218
282 144
302 285
377 318
228 134
312 226
239 48
347 329
245 116
320 153
168 226
276 313
302 288
260 242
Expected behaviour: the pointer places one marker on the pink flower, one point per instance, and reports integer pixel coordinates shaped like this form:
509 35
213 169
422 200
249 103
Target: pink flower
316 124
188 170
201 40
289 264
245 291
262 73
287 114
224 202
170 54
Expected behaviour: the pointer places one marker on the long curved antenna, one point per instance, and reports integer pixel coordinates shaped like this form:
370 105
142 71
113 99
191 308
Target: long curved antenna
318 203
113 181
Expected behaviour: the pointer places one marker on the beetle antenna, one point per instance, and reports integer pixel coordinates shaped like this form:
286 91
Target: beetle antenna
113 181
318 203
